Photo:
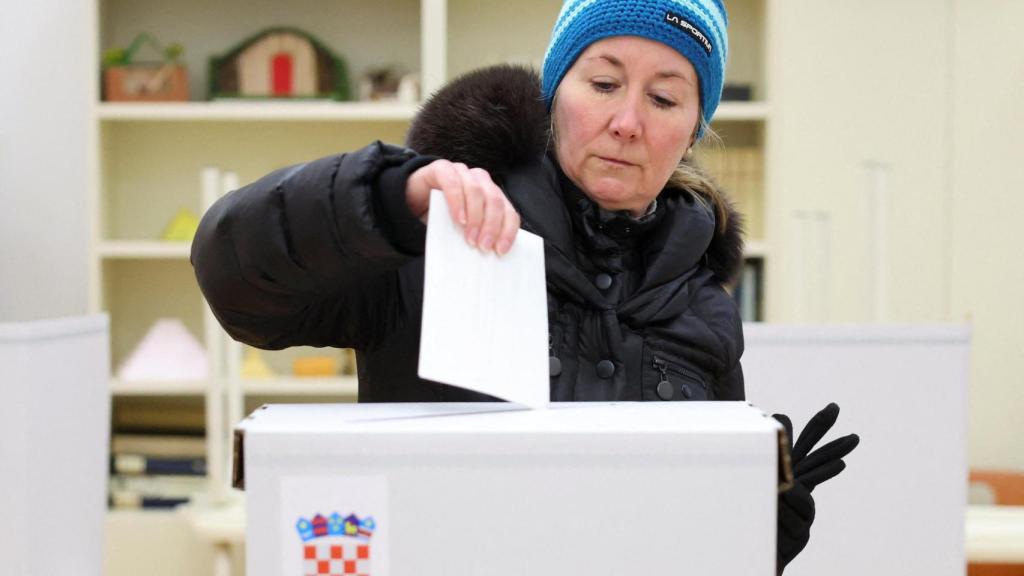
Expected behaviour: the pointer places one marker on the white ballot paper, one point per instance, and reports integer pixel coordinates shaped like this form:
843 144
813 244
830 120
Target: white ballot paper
485 317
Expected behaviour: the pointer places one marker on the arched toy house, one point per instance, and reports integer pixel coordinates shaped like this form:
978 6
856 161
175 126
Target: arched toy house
279 63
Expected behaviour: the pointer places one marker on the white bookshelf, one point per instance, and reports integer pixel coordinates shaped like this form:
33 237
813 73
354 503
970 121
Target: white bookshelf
341 386
120 387
756 249
741 112
143 249
323 112
244 111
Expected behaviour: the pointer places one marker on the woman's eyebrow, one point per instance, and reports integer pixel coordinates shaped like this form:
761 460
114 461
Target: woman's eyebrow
674 74
663 74
612 60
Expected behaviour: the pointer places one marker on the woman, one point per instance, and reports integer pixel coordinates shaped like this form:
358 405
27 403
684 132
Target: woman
594 157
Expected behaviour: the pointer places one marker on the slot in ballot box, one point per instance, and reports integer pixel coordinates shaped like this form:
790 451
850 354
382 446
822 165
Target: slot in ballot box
471 489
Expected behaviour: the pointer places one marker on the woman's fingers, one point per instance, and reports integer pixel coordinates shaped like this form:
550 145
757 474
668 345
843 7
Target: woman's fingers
509 228
489 220
475 202
834 450
450 182
815 430
822 474
494 214
438 175
787 424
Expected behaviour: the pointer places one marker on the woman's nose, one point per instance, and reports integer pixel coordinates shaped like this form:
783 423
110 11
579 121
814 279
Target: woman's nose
627 122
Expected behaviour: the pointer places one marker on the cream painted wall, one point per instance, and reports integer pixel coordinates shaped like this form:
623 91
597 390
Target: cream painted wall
850 90
45 53
988 208
935 92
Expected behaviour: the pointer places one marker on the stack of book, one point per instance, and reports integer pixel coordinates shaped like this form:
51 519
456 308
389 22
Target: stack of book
153 471
157 453
748 293
740 171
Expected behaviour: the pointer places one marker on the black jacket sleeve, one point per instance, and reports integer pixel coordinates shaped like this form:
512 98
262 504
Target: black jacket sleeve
309 254
717 310
731 386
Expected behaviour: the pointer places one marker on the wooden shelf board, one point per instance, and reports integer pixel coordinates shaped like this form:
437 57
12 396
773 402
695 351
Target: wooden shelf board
158 387
243 110
281 386
733 111
144 249
321 111
756 249
302 386
217 525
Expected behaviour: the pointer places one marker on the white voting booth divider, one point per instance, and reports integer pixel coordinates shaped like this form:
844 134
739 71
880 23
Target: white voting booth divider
54 430
899 507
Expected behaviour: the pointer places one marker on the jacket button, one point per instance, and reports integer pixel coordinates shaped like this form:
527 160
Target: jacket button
687 393
605 368
603 281
554 366
665 390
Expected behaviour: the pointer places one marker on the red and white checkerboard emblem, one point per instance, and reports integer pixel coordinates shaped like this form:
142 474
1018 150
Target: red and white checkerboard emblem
336 557
336 546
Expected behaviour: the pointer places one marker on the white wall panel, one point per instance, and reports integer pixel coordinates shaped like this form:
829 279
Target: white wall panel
45 128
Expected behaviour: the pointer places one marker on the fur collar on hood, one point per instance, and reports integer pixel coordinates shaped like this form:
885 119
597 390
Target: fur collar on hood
494 118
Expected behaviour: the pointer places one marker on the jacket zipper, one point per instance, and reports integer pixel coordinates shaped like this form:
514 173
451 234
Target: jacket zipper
663 367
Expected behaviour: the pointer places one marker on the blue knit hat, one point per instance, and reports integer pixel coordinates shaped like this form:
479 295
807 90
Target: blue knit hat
695 28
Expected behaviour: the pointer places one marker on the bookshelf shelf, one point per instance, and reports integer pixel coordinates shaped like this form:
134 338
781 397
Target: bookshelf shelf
741 111
324 111
143 249
302 386
158 387
245 111
756 249
128 515
223 525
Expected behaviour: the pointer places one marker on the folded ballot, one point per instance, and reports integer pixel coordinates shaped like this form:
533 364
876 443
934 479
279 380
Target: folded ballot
485 317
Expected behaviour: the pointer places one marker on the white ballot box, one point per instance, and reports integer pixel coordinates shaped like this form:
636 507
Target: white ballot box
473 489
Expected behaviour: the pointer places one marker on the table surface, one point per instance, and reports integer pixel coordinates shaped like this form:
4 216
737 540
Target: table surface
995 534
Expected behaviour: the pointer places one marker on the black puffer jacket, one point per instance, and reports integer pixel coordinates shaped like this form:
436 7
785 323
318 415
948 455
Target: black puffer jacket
327 254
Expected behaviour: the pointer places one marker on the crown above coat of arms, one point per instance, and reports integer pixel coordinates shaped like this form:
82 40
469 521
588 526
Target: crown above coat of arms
335 525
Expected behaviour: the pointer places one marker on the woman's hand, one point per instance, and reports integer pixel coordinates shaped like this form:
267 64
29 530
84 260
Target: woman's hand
796 506
488 219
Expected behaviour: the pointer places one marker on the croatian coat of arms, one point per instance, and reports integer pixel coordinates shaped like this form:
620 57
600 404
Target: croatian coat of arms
336 545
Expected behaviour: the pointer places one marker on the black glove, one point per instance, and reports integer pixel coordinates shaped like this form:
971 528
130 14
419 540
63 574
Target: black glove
796 505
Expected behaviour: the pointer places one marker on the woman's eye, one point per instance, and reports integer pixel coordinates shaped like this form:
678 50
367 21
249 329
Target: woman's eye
662 102
601 86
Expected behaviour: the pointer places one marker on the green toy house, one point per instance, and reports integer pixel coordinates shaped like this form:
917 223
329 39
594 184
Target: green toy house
279 63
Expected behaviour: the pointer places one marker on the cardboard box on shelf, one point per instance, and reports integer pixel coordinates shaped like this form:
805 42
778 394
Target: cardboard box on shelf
578 488
150 82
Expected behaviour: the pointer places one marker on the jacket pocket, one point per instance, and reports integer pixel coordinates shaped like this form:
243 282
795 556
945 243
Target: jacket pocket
668 377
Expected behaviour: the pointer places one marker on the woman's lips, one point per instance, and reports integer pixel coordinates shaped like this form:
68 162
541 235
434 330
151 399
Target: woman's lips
616 161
